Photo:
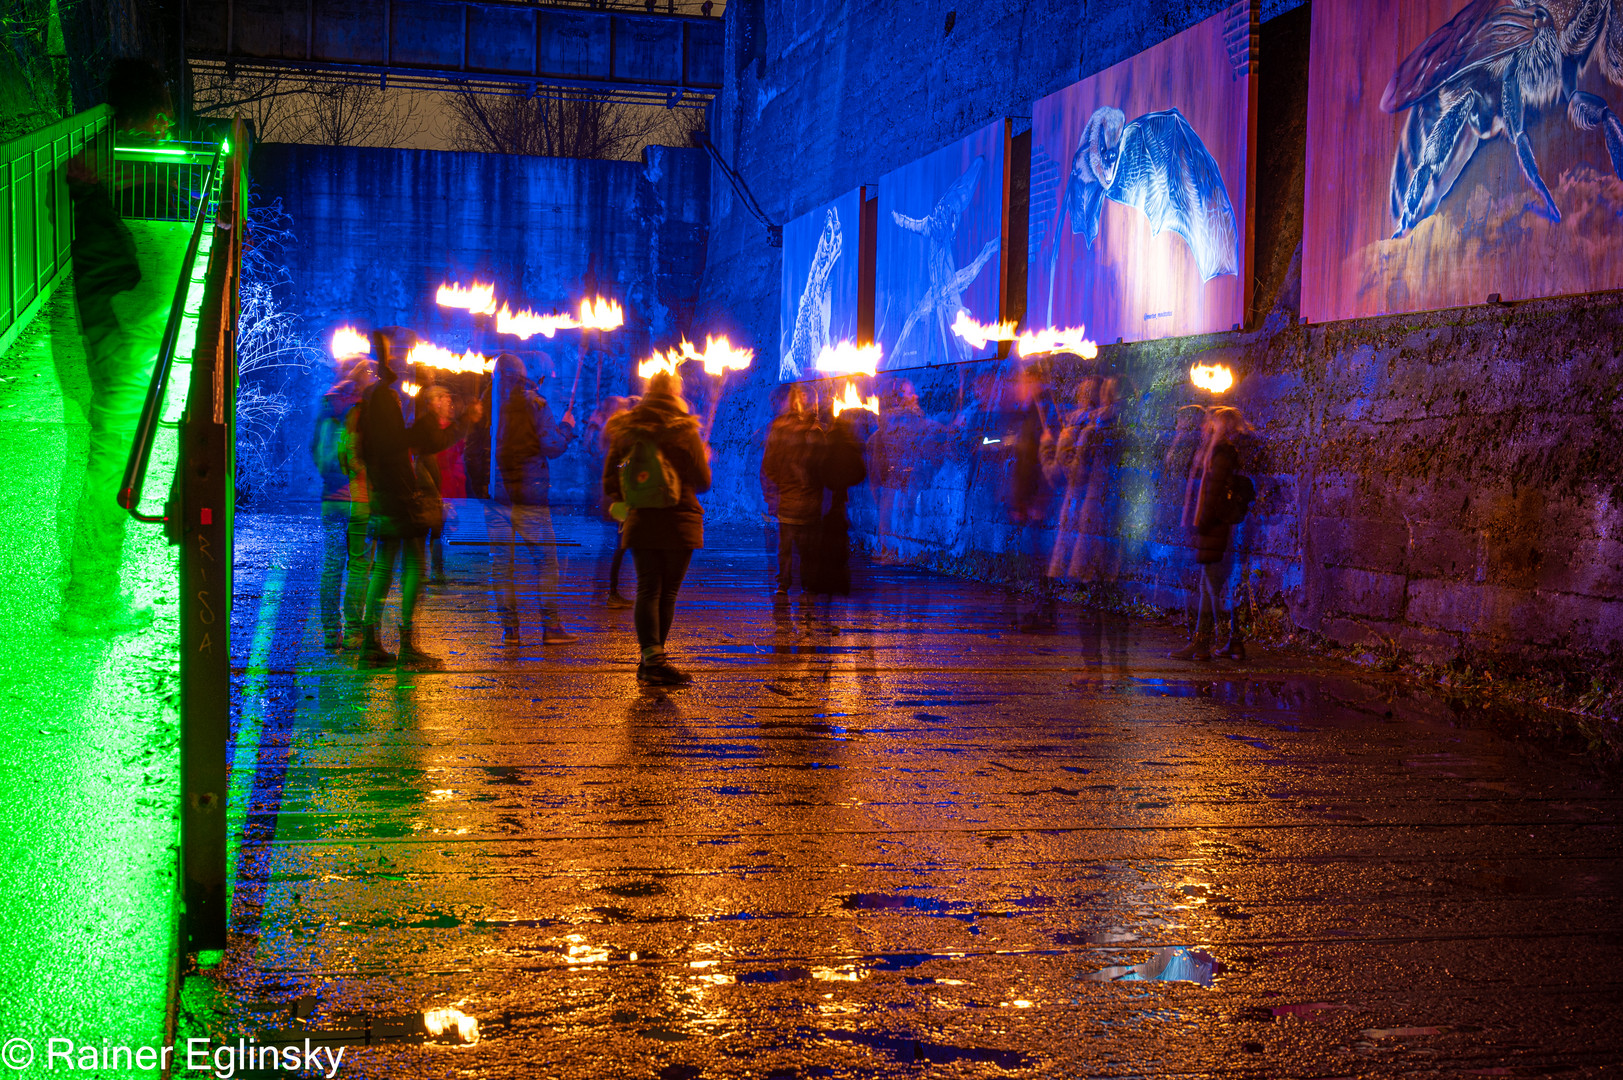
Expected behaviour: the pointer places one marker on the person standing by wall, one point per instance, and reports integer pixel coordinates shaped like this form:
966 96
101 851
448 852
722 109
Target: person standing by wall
792 483
1213 513
843 469
658 464
403 511
123 303
527 437
344 510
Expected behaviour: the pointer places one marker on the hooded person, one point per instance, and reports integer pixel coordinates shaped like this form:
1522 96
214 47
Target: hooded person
657 465
792 482
403 508
527 438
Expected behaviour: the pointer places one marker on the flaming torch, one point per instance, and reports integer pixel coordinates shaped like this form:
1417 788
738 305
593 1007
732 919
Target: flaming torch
349 342
431 355
601 314
477 298
849 358
852 401
1214 377
979 333
1030 343
526 324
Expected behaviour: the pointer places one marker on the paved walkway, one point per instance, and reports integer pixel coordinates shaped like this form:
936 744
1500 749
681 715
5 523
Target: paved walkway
900 840
89 769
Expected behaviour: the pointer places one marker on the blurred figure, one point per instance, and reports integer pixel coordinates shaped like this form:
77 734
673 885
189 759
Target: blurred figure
893 450
450 472
1096 558
527 437
123 306
657 466
843 469
791 480
1214 509
1065 461
344 509
597 439
1027 494
403 511
1188 435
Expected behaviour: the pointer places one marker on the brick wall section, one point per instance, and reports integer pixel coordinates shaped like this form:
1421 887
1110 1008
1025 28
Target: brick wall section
1446 484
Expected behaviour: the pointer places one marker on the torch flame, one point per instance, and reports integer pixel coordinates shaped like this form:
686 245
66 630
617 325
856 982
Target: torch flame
477 298
849 358
526 324
718 357
851 401
348 341
1071 340
465 1028
1214 377
430 355
978 333
601 314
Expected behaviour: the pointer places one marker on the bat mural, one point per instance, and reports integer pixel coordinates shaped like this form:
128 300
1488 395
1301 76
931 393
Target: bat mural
1489 162
941 223
819 306
1172 257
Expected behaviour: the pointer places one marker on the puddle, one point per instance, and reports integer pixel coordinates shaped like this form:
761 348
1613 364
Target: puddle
1175 964
904 1049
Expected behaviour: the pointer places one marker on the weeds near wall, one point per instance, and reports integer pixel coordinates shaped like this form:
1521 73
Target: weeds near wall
271 354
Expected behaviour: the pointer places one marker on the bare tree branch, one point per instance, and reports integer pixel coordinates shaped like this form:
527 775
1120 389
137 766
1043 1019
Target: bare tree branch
578 125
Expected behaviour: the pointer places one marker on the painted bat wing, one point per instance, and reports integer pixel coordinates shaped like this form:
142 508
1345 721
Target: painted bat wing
1479 33
1165 170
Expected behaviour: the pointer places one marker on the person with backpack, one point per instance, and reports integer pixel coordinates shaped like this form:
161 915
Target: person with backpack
344 511
527 437
403 511
1220 499
657 466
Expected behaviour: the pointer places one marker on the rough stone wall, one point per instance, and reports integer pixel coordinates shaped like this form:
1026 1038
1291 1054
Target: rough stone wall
1444 485
376 231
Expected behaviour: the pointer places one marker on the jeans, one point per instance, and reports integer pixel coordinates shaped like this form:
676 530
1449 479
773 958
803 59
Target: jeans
512 527
1213 596
793 540
659 579
410 550
345 569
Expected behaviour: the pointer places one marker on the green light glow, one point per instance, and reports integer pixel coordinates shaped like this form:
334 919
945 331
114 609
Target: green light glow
225 147
161 151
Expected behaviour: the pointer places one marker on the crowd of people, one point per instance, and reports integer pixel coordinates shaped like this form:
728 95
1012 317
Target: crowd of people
390 462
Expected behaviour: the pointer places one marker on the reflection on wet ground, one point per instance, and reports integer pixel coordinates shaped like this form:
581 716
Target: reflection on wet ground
888 838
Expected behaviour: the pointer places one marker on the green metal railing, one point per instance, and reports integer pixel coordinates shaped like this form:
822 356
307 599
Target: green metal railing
35 216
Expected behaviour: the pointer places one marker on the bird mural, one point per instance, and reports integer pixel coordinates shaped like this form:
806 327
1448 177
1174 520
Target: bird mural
1483 74
944 296
1157 164
813 315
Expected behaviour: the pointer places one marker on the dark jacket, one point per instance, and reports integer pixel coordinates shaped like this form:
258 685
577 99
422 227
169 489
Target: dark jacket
387 445
677 435
527 481
104 258
791 469
1211 506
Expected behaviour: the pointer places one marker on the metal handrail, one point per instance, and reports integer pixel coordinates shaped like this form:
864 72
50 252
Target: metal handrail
129 493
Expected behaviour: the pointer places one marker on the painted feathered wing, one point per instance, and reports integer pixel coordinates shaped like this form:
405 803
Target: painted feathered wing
1165 170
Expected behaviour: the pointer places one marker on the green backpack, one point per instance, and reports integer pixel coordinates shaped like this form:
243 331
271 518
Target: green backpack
647 480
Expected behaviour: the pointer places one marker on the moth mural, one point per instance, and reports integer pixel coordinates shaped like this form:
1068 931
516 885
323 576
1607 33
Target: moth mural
1140 227
941 228
820 282
1475 151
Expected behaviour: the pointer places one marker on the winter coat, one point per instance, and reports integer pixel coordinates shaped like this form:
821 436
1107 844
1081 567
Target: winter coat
791 470
676 433
527 481
1212 529
843 469
387 445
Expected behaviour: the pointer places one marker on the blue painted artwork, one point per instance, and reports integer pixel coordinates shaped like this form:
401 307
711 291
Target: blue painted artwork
819 295
941 224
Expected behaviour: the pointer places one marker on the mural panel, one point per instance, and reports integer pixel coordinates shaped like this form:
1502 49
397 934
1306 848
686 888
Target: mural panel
1460 149
819 294
1140 222
941 228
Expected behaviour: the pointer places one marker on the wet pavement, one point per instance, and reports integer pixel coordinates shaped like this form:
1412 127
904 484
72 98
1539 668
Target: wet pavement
895 837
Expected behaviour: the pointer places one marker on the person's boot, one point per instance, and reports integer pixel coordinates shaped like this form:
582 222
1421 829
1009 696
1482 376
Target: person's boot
332 638
352 639
617 601
1198 649
373 654
1233 648
553 633
411 657
657 670
511 637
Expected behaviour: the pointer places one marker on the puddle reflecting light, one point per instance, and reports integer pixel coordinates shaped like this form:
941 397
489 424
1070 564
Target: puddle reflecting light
453 1022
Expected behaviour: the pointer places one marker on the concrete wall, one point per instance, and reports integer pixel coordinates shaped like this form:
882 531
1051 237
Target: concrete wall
1444 484
375 232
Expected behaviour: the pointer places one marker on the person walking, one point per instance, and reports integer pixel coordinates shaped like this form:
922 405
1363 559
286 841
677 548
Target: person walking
344 510
527 438
658 465
843 469
597 438
403 510
1219 503
791 480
